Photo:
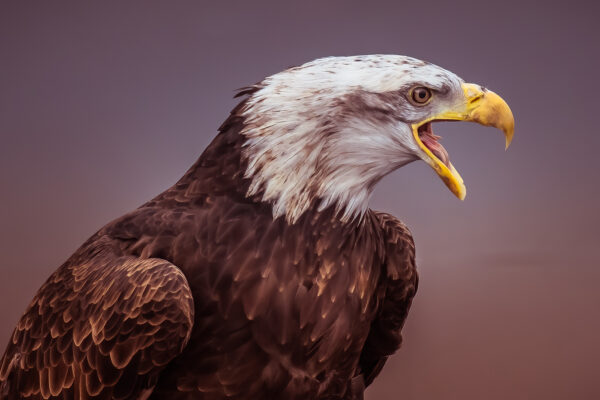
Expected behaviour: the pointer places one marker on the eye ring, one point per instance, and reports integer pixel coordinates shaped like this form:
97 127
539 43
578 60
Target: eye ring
420 95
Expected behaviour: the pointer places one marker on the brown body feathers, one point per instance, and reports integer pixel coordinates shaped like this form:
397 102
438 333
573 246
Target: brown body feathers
201 294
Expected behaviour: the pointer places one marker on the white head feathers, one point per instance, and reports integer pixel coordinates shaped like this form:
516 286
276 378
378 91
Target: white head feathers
325 132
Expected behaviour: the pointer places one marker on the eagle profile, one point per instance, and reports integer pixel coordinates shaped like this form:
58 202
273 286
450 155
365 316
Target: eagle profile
262 273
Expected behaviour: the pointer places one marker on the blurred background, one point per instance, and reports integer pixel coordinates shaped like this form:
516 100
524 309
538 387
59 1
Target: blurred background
104 105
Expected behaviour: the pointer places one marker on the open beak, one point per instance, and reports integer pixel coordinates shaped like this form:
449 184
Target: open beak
482 106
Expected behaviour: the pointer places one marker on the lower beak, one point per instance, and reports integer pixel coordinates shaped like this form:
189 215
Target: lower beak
482 106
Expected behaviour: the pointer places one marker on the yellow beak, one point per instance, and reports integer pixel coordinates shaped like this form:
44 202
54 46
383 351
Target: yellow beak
482 106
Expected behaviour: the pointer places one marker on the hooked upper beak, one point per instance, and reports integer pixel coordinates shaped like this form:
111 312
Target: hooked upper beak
480 105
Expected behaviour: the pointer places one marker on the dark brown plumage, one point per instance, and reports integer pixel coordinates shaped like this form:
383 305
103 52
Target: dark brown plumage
201 294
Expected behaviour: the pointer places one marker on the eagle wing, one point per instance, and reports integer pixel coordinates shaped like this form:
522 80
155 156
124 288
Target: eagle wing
399 280
103 326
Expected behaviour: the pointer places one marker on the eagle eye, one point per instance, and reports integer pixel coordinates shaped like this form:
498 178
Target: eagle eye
420 95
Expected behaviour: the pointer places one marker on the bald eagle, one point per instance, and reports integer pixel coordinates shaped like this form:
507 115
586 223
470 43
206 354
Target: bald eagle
262 273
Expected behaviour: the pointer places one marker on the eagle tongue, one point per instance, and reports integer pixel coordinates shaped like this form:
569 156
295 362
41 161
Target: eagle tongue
430 140
440 152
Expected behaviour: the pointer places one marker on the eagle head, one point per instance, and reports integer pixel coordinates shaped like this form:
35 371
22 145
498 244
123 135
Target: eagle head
324 133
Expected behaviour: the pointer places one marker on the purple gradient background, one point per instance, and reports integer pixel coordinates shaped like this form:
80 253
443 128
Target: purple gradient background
104 105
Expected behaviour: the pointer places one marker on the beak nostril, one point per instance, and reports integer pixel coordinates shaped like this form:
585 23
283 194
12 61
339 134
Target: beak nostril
476 98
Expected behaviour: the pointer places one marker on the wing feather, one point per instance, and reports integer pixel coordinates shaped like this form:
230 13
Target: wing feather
103 326
400 281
